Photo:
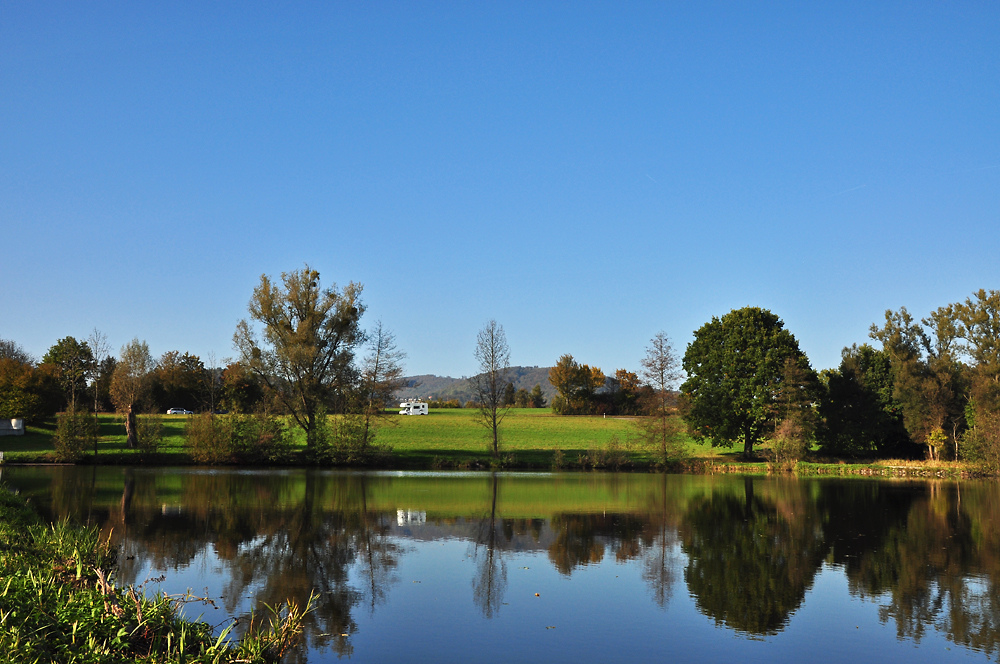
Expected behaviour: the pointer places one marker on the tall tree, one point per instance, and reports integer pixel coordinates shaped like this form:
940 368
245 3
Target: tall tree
735 365
131 385
489 385
74 362
661 371
928 377
306 349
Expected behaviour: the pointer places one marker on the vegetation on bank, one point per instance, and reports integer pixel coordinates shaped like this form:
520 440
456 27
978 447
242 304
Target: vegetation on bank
534 439
59 603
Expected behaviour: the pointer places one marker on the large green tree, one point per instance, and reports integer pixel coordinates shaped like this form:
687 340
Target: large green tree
305 350
735 368
74 363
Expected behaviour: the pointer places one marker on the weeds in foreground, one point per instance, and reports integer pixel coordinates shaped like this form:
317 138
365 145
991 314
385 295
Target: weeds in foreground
58 603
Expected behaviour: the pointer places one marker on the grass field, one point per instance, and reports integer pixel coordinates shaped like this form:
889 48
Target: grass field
444 438
453 438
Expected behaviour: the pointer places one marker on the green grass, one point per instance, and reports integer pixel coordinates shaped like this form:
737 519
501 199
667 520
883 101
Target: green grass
454 438
444 438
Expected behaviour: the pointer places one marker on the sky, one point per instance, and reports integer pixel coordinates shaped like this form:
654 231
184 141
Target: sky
585 173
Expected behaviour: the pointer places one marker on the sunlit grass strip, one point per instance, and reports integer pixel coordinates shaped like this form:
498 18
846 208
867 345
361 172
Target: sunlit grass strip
57 605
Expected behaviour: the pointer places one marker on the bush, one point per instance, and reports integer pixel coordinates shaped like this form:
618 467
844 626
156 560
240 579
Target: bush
788 444
149 435
342 440
237 438
76 432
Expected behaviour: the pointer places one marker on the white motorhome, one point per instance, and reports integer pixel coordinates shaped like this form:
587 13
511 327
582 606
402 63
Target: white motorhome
413 408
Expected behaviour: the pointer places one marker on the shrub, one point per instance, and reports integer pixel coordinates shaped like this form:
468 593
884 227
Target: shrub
237 438
76 431
149 435
342 440
788 444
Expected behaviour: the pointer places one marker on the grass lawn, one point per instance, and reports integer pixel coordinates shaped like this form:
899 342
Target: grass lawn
444 438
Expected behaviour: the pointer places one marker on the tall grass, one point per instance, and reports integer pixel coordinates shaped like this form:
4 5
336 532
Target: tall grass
59 603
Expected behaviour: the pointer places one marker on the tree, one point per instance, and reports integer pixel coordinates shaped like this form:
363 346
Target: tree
576 384
179 381
381 377
11 350
509 394
101 371
131 385
860 417
306 350
489 385
241 389
522 398
27 392
661 371
929 381
74 362
537 397
735 365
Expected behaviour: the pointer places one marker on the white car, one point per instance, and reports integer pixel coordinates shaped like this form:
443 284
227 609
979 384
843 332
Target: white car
179 411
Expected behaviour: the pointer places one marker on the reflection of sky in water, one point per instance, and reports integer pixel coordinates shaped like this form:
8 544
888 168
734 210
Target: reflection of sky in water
612 585
601 612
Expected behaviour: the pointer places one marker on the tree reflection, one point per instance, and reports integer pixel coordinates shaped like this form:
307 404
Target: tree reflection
751 557
928 553
490 581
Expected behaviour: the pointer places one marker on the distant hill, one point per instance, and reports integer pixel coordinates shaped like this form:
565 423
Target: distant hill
442 388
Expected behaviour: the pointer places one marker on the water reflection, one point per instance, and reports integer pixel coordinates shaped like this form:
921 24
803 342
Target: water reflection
747 549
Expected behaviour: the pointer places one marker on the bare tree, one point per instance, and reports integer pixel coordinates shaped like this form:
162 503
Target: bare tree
381 375
101 349
130 385
661 371
493 355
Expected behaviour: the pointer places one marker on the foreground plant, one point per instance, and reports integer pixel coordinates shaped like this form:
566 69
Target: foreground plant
59 604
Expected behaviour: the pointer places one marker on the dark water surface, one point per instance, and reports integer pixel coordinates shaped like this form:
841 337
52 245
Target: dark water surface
457 567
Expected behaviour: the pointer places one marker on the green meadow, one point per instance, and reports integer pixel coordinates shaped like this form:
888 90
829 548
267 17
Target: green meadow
446 438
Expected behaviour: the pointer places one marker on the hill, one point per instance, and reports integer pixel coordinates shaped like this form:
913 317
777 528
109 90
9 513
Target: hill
429 386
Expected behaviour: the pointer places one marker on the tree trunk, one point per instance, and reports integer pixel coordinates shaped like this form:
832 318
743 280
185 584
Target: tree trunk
131 429
747 442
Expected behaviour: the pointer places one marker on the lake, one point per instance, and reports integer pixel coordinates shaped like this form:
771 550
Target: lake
560 567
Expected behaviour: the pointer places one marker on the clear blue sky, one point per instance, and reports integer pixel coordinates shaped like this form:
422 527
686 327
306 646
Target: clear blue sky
586 173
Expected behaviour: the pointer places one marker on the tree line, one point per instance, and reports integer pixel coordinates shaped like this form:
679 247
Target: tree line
929 387
922 388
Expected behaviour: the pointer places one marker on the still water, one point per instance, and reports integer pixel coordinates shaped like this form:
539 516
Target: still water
589 567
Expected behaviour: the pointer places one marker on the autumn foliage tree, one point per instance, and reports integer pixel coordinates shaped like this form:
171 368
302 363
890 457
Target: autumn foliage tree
576 384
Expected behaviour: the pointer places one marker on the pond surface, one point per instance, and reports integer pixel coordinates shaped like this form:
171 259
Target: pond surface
590 567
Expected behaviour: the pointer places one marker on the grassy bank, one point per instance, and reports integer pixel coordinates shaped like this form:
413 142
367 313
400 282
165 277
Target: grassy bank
453 439
58 603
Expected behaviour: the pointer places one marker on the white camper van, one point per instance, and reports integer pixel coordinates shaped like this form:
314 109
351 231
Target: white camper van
413 408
